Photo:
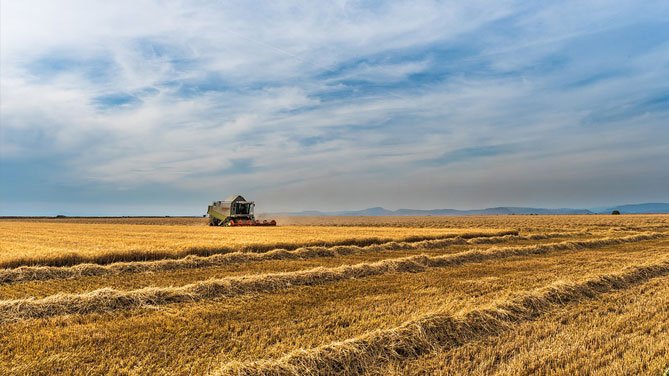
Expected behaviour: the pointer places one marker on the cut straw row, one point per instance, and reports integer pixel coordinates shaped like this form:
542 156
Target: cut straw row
440 330
103 257
43 273
106 299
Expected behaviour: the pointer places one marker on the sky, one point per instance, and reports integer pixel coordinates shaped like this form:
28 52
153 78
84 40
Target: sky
159 107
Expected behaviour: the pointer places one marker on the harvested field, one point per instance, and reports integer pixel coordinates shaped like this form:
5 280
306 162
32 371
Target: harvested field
42 273
60 243
447 296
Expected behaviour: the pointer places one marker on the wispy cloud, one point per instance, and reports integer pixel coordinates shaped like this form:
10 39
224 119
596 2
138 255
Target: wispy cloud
332 105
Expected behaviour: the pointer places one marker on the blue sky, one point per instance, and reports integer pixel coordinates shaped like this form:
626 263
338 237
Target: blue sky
154 107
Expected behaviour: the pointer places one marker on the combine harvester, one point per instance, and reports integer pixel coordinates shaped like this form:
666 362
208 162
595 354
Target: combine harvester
234 211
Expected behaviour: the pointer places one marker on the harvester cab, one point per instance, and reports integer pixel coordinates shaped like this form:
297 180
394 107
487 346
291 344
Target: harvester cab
235 211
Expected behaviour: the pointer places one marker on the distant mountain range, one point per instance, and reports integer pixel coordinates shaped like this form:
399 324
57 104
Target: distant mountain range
651 207
502 210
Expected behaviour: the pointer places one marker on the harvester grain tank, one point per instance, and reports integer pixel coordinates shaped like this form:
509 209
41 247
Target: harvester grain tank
235 211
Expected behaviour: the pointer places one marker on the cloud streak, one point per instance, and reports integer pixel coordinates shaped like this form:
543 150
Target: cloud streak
143 106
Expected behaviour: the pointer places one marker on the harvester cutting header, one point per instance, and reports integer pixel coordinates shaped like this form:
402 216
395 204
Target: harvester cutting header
235 211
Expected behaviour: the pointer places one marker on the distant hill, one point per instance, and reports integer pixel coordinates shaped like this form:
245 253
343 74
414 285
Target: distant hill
378 211
502 210
651 207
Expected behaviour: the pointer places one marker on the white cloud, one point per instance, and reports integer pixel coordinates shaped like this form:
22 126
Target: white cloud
174 94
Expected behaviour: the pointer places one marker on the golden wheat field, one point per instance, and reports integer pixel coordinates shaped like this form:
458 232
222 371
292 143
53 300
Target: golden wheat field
484 295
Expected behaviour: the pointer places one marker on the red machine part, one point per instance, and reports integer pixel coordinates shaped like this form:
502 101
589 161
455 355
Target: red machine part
243 222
